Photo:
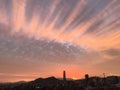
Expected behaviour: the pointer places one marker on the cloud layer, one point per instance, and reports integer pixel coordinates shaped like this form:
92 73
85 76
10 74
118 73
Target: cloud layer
80 34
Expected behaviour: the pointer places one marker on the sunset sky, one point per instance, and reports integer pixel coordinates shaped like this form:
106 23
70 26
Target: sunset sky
41 38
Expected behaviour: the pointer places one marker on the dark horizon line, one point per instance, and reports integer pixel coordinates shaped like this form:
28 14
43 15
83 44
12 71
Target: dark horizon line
59 78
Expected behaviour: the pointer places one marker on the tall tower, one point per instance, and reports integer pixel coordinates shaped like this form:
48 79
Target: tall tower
64 75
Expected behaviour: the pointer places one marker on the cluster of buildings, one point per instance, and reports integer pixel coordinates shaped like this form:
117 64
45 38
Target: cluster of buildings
52 83
97 83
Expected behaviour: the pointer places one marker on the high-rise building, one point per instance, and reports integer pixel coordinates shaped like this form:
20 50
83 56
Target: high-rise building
86 76
64 75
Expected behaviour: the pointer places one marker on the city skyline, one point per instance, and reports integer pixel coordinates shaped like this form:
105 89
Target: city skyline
41 38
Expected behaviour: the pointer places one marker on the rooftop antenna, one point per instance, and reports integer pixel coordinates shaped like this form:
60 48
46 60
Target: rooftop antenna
104 75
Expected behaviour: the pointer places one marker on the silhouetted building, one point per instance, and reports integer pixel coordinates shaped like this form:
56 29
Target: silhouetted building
86 76
86 79
64 75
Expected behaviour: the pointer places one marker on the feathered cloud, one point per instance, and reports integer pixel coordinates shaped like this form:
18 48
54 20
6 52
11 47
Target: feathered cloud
86 32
